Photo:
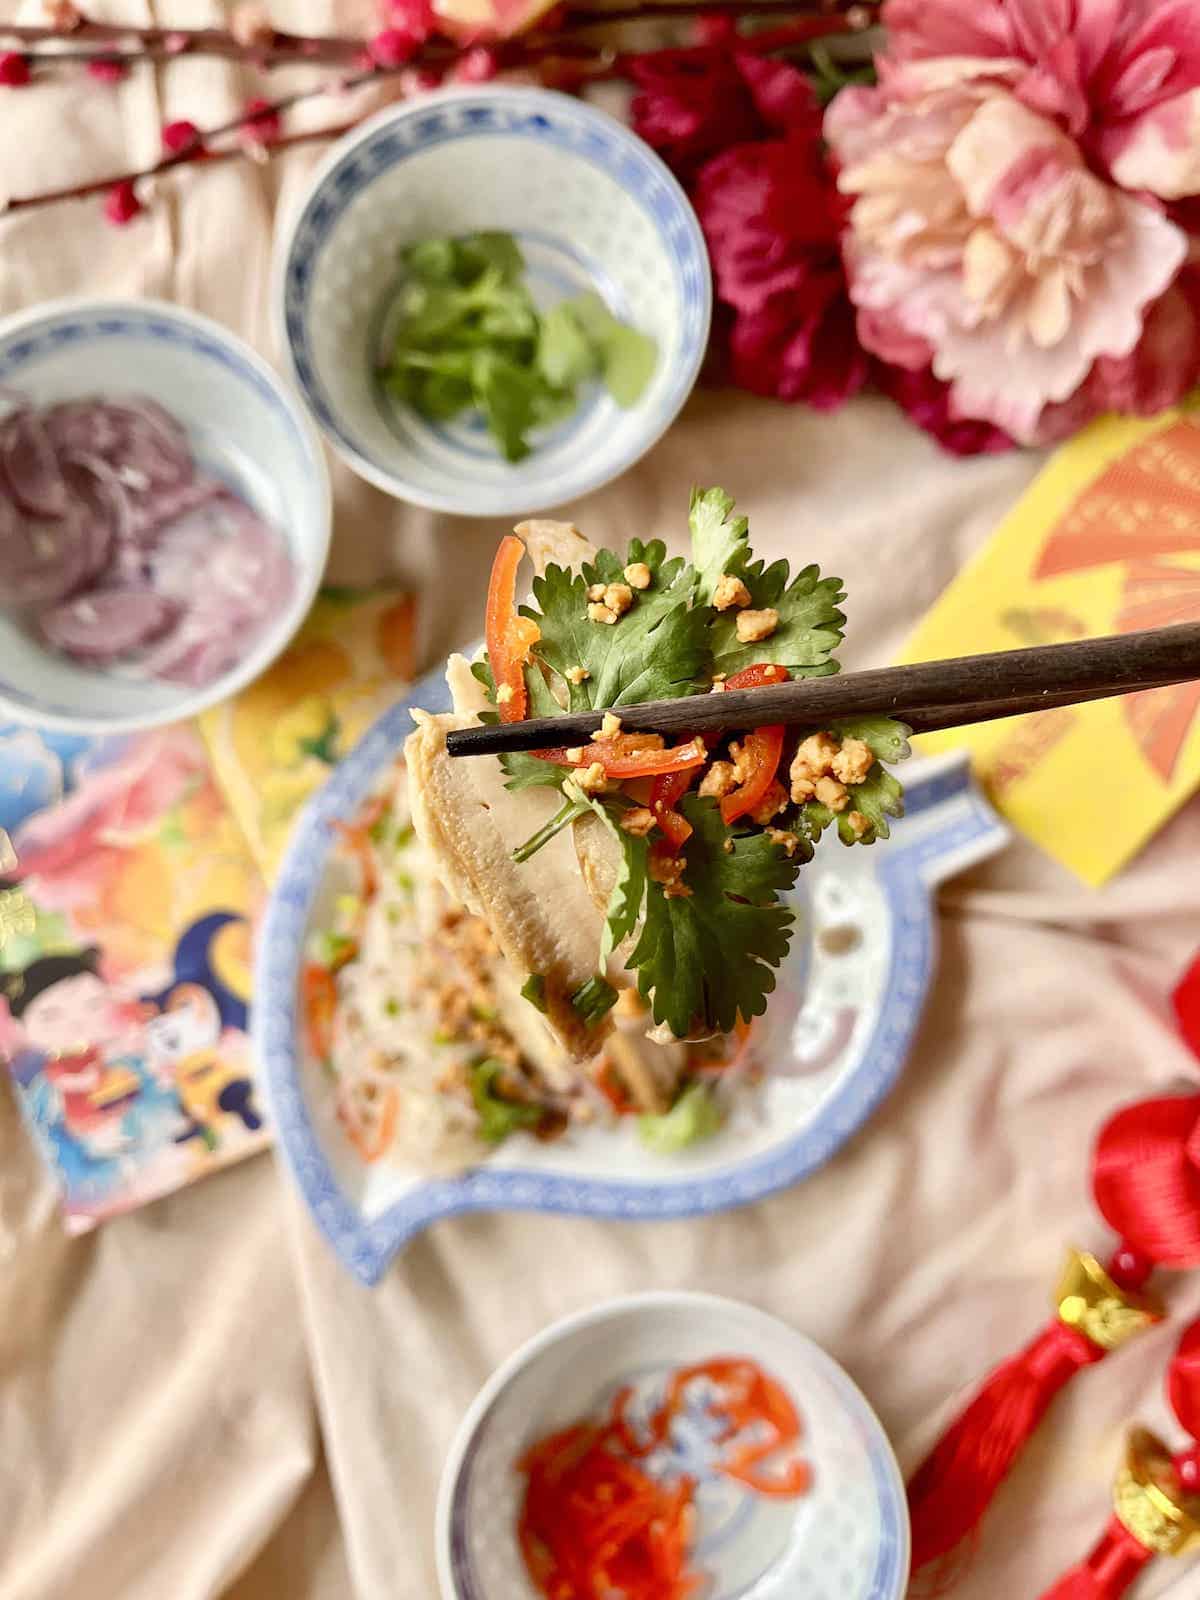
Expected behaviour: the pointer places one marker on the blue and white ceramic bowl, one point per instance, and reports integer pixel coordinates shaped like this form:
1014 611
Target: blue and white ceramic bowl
847 1538
243 426
837 1030
591 206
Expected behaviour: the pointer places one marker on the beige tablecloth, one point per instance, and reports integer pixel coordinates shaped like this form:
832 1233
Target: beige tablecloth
198 1401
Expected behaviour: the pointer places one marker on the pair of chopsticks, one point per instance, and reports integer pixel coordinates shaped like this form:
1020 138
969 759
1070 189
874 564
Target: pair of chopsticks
926 696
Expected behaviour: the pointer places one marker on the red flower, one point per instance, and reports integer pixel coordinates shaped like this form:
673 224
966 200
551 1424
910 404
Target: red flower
261 122
179 136
394 47
415 17
14 70
108 70
926 400
693 104
476 66
121 204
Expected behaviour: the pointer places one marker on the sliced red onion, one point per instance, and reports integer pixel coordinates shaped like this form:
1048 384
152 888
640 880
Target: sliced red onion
30 465
123 555
106 624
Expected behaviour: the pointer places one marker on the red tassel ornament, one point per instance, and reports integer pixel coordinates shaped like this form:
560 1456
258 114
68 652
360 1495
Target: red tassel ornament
1146 1180
1156 1499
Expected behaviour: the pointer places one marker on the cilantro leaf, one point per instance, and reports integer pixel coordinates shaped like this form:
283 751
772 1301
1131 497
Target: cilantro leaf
498 1117
565 354
709 957
809 627
657 649
720 542
629 889
625 356
522 770
880 796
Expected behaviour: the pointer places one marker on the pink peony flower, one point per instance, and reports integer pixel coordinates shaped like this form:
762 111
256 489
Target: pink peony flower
771 221
1120 76
982 246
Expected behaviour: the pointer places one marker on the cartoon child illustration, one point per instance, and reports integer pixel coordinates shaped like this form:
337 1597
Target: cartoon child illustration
185 1042
72 1025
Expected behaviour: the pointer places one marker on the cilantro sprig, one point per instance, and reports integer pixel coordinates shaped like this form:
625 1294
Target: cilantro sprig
705 948
466 334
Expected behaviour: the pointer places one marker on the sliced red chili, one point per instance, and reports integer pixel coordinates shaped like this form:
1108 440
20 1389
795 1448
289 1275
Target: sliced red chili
509 635
762 752
630 763
665 796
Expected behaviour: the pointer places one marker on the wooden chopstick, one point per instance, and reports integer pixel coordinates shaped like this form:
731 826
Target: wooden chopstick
926 695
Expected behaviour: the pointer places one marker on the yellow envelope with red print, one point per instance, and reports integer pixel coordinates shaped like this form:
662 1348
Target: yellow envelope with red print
1106 540
273 745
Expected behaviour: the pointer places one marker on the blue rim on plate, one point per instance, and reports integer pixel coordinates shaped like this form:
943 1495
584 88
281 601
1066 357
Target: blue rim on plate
541 115
948 825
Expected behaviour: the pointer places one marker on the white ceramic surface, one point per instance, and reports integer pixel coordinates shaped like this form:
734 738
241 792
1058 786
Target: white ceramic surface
591 207
243 425
836 1033
847 1538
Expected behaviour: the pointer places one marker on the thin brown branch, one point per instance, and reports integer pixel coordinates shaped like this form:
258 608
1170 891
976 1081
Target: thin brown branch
104 41
99 186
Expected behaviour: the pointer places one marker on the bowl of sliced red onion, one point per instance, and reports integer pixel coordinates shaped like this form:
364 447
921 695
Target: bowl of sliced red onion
164 515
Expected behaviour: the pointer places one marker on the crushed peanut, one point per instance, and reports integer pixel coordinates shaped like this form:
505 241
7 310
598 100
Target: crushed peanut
785 838
730 591
668 870
859 824
719 780
638 822
504 694
742 765
812 761
592 779
609 601
577 675
727 846
853 761
755 625
637 574
833 794
575 753
771 804
609 728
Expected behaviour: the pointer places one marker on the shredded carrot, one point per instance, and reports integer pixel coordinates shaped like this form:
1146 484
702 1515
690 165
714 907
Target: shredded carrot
595 1525
318 993
371 1138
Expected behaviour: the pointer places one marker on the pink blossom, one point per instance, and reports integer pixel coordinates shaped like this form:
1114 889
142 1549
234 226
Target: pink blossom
394 47
175 44
108 69
261 123
476 66
416 17
179 136
982 245
1122 77
121 204
251 26
14 70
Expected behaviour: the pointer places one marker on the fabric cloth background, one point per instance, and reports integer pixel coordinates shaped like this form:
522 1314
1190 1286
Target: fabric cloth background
196 1400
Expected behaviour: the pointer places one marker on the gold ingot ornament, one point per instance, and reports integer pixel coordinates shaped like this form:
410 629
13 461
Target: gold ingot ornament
1089 1300
1150 1500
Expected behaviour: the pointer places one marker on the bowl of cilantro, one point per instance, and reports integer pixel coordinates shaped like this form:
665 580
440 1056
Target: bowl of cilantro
492 298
